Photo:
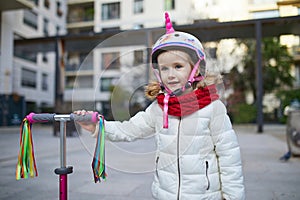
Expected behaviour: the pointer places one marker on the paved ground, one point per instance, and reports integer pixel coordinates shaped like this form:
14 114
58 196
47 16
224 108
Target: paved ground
130 167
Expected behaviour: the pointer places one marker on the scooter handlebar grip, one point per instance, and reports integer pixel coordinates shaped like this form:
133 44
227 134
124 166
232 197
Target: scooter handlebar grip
88 117
45 117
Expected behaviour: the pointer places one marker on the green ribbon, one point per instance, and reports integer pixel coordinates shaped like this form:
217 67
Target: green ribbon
26 166
98 164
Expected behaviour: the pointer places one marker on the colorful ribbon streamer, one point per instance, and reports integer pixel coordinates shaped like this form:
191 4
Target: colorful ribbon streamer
98 164
26 162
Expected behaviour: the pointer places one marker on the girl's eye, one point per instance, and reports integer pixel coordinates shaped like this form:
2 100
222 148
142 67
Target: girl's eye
178 66
163 68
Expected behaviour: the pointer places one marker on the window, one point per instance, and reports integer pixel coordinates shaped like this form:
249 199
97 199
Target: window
46 23
58 9
44 82
84 81
81 13
27 55
106 84
138 6
30 18
86 61
47 3
111 60
212 52
44 57
70 81
111 11
28 78
138 57
79 61
106 110
73 61
57 30
169 4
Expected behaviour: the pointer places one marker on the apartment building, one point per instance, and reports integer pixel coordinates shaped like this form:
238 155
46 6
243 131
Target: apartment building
91 75
29 75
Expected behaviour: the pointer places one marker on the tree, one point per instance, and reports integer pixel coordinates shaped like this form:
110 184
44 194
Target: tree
276 64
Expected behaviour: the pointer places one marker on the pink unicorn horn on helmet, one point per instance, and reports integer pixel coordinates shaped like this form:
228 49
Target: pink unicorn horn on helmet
169 26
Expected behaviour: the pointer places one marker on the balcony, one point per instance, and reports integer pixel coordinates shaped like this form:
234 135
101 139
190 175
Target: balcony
79 61
80 14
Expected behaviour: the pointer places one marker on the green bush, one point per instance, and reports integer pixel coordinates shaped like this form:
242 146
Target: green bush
243 113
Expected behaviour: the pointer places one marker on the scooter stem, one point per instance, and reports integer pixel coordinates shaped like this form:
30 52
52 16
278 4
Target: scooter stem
63 171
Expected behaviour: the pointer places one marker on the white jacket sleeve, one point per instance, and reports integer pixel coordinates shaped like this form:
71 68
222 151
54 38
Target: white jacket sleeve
139 126
228 152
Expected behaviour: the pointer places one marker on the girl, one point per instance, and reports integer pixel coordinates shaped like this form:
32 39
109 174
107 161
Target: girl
198 155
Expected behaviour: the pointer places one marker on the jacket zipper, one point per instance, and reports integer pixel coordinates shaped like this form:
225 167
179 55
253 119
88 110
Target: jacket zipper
206 173
178 161
157 158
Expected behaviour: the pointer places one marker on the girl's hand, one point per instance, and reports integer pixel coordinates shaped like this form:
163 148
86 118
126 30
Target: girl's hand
89 126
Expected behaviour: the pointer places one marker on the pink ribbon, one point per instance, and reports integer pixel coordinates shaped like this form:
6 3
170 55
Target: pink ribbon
165 114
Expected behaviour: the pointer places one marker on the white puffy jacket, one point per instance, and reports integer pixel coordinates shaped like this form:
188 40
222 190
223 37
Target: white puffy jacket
198 156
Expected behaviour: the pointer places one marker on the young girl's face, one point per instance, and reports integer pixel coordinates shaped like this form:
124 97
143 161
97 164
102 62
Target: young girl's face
175 68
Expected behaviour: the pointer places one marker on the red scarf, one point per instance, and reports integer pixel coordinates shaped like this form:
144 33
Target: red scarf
189 103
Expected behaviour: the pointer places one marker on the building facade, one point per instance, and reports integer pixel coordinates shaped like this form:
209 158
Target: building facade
30 75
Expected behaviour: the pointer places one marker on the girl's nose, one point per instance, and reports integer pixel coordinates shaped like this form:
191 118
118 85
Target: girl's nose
171 73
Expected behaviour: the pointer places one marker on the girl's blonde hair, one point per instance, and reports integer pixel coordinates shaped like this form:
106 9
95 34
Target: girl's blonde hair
154 88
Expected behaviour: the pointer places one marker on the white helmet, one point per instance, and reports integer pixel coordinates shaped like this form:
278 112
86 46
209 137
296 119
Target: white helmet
180 41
